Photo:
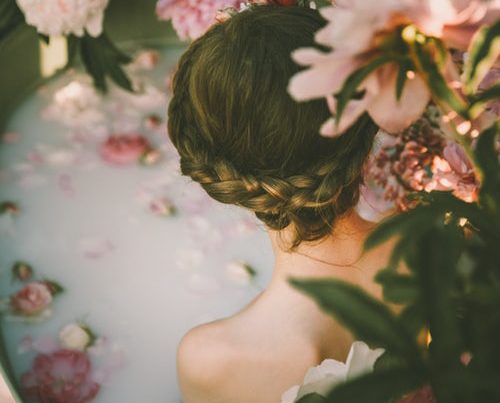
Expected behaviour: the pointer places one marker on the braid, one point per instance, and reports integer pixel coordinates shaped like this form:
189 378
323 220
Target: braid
311 199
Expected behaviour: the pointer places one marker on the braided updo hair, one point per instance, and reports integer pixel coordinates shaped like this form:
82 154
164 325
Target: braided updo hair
247 142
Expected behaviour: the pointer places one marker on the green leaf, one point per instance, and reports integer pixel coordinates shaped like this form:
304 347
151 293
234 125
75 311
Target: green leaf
10 18
397 288
353 82
482 55
367 318
481 101
404 68
311 398
377 387
412 318
388 361
101 59
436 274
437 82
487 159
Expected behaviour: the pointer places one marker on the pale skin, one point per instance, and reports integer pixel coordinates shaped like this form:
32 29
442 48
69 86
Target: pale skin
257 354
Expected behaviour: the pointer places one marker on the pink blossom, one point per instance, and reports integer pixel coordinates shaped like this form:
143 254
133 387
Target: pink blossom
355 32
31 299
124 149
192 18
455 21
60 377
352 31
454 172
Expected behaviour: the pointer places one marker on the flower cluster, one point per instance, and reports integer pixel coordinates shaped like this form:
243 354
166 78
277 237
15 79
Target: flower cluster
62 373
64 17
420 159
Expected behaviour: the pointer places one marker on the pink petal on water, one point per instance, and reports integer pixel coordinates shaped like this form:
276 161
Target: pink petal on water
45 344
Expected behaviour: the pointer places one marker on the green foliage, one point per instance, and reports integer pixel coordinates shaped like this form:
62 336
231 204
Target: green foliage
366 317
312 398
101 58
10 17
377 387
483 53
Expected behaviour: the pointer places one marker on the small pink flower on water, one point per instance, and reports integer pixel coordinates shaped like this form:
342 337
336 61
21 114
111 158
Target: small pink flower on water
150 157
63 376
152 122
31 299
124 149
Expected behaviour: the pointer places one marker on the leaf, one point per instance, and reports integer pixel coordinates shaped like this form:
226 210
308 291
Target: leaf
367 318
481 101
377 387
311 398
483 53
388 361
436 81
487 159
10 17
412 318
404 68
101 58
436 275
397 288
353 82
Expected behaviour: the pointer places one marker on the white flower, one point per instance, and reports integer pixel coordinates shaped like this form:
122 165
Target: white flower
324 377
75 337
76 105
64 17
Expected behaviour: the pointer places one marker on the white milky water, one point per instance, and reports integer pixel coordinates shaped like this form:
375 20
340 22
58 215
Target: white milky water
138 279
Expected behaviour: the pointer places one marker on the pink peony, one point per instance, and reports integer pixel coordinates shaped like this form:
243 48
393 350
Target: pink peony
60 377
192 18
31 299
124 149
355 32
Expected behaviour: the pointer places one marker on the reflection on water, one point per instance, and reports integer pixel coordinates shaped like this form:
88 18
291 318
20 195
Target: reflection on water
141 253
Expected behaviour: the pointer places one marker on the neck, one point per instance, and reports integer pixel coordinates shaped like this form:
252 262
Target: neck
338 255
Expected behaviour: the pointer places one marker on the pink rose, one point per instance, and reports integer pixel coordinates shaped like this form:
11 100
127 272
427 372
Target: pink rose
32 299
124 149
60 377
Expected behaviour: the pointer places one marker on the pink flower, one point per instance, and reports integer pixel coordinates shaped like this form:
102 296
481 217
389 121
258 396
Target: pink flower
192 18
455 21
454 172
354 32
60 377
31 299
124 149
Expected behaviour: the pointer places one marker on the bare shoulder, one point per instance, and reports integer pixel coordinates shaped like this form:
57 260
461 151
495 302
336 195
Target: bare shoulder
203 359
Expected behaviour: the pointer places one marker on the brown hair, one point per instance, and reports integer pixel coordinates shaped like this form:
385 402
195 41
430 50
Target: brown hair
241 136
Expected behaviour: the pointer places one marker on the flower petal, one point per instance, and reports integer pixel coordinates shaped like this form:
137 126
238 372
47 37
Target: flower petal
392 115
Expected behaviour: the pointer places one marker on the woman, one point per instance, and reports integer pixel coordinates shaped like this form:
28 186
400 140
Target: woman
241 136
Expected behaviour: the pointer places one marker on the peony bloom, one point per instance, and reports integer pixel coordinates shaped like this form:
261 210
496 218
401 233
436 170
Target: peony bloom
31 299
65 17
353 31
124 149
60 377
192 18
323 378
